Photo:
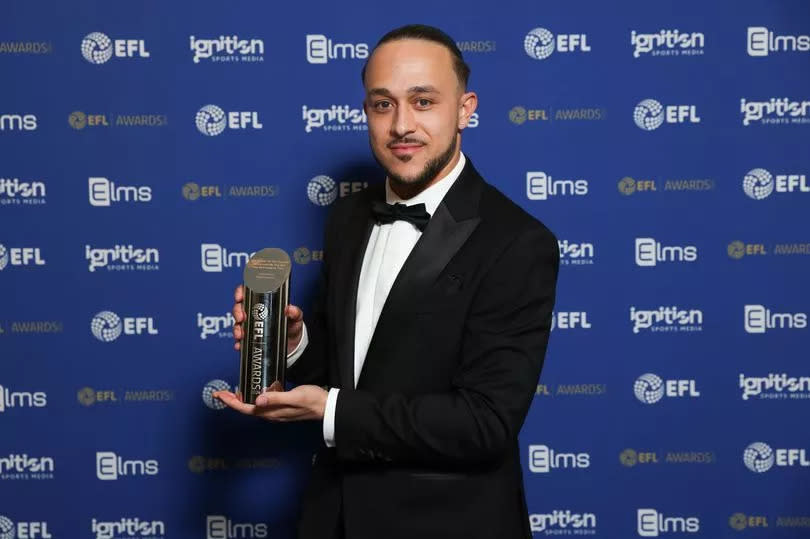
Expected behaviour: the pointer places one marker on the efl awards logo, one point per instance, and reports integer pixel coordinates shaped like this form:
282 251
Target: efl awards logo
212 120
20 256
759 457
18 122
305 255
741 521
194 191
26 47
775 111
650 253
761 42
759 184
227 49
322 190
321 49
111 467
519 115
208 394
650 388
541 186
760 319
98 48
650 114
652 523
540 43
667 43
543 459
107 326
15 192
629 186
79 120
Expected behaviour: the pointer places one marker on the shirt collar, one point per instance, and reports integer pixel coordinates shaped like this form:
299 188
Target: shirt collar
433 195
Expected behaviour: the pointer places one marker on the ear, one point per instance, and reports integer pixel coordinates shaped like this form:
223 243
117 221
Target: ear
467 106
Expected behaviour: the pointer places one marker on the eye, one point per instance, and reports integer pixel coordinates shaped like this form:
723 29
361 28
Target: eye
382 105
423 102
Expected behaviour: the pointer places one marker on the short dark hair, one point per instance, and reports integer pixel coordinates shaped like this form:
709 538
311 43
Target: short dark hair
427 33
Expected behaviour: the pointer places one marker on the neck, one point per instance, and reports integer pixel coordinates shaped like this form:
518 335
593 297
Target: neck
407 191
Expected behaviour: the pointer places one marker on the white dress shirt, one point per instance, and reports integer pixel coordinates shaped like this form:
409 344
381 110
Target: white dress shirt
388 247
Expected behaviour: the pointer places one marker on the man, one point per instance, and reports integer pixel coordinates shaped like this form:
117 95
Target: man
431 327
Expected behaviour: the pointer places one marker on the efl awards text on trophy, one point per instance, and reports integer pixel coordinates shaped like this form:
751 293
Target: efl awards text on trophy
264 339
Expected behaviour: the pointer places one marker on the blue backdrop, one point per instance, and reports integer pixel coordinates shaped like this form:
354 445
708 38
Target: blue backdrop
147 147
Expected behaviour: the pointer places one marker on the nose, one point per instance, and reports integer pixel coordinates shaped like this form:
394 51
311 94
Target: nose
403 123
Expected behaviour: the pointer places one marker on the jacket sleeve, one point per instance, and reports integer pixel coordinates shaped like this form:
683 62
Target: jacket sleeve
505 337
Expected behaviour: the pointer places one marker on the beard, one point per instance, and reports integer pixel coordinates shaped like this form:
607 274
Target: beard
427 174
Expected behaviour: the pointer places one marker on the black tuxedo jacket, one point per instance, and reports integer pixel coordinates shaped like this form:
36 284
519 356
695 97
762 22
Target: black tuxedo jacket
427 444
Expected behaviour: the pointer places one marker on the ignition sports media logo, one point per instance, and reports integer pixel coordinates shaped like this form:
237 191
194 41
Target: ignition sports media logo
321 50
563 522
23 529
775 386
543 459
18 122
20 256
649 253
208 394
650 388
666 319
193 191
630 458
15 192
97 48
214 258
759 319
629 186
541 186
652 523
26 47
22 467
569 320
103 193
667 43
760 457
775 111
215 326
21 399
762 42
227 49
107 326
576 254
122 258
540 43
650 114
211 120
222 527
336 118
759 184
128 528
112 467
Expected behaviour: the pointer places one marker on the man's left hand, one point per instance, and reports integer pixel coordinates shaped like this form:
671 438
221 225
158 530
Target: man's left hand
300 404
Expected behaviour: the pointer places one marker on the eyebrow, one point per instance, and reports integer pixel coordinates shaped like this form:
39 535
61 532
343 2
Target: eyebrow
412 90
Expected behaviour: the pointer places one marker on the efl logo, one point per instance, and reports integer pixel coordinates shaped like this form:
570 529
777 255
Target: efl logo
543 459
20 256
667 43
540 43
208 394
651 523
227 49
759 183
322 190
121 257
575 254
650 252
740 521
737 249
630 457
775 386
321 49
220 527
21 399
563 522
762 42
211 120
775 111
215 258
650 388
666 319
649 114
103 193
759 457
570 320
335 118
759 319
107 326
129 528
215 325
97 48
18 122
23 530
541 186
111 467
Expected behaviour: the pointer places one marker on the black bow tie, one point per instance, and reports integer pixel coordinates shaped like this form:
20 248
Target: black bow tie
388 213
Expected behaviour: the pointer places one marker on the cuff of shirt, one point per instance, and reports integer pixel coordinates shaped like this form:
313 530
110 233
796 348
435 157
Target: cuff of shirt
293 356
329 417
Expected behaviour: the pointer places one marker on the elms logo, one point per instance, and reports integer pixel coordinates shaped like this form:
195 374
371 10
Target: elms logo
111 467
221 527
650 114
321 49
759 457
650 252
759 319
761 42
541 186
21 399
211 120
543 459
650 388
540 43
107 326
214 258
18 122
98 48
103 193
651 523
759 184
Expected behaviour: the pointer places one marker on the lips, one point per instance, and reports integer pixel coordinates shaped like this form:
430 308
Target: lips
401 149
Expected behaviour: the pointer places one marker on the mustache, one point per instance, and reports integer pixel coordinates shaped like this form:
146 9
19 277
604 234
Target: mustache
406 140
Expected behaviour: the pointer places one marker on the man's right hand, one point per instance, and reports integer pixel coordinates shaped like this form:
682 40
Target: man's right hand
295 321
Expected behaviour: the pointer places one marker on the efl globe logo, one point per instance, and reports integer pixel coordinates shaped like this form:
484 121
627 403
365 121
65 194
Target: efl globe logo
106 326
211 120
539 43
649 388
3 257
322 190
208 394
758 457
260 311
97 48
758 184
649 114
7 528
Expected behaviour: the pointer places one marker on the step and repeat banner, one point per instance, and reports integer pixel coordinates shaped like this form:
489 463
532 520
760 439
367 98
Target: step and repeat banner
147 148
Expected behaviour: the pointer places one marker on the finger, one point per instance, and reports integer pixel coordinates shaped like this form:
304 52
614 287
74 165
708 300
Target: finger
294 314
237 346
238 312
270 399
237 332
232 401
239 294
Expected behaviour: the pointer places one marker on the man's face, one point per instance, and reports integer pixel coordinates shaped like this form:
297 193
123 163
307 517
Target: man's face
414 107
